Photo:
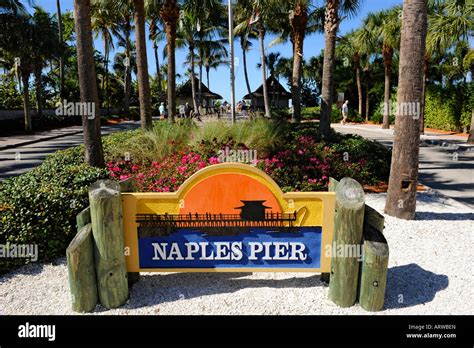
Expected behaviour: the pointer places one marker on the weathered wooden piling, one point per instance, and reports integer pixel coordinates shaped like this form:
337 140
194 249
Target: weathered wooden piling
374 267
129 186
348 227
107 228
333 183
83 218
81 269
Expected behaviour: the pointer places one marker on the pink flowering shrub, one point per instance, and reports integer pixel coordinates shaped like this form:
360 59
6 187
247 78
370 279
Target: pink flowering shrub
165 176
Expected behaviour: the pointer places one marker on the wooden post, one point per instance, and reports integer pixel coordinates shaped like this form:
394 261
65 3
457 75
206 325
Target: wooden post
333 183
83 218
129 185
373 278
348 227
81 269
107 228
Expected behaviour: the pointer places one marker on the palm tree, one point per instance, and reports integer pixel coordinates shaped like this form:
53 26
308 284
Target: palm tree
469 66
121 14
45 47
213 55
261 13
385 27
348 48
142 65
401 198
103 24
170 15
87 82
14 7
61 43
187 34
157 34
17 45
245 34
335 10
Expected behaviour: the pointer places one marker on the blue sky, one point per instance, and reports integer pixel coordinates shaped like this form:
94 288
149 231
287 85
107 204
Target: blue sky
220 80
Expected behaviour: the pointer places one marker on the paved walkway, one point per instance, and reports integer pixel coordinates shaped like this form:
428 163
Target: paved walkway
19 155
446 162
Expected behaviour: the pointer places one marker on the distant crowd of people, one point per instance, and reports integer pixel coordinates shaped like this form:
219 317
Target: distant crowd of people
185 110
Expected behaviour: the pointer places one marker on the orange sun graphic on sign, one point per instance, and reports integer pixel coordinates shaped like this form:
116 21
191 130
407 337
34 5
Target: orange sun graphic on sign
223 194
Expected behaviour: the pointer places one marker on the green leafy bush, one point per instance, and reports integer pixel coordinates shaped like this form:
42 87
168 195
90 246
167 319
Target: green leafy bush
40 207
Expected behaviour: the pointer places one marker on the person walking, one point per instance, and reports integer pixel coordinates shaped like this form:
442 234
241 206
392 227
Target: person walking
182 111
345 112
163 111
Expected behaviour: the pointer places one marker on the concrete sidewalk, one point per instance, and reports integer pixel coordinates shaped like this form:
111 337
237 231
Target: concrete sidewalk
446 161
23 140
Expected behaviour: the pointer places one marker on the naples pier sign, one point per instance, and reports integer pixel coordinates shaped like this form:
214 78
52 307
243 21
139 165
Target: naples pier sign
226 218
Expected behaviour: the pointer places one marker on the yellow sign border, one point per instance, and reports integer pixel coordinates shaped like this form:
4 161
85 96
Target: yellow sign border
322 215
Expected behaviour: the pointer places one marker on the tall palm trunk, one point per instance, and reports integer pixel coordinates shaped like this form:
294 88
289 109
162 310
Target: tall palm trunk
193 79
423 100
107 77
142 66
299 21
25 76
170 15
470 140
208 72
158 72
128 74
61 56
387 58
247 82
106 70
200 83
88 83
39 91
330 30
401 198
266 100
360 94
367 89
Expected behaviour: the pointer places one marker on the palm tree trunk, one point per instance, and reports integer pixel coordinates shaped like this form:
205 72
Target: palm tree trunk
388 55
208 72
401 198
266 100
104 79
200 84
88 83
330 30
247 82
158 72
26 102
128 76
359 89
39 92
470 140
61 56
367 89
299 21
193 80
107 78
423 100
142 66
170 15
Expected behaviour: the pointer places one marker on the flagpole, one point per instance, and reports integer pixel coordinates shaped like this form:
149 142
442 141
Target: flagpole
232 64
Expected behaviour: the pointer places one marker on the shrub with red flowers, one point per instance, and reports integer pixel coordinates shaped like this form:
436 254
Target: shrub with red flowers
303 166
165 176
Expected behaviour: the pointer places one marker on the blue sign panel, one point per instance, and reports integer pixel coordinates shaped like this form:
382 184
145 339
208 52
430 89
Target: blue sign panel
298 247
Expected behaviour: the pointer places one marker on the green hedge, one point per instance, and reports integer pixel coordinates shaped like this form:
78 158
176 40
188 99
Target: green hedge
449 109
40 207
